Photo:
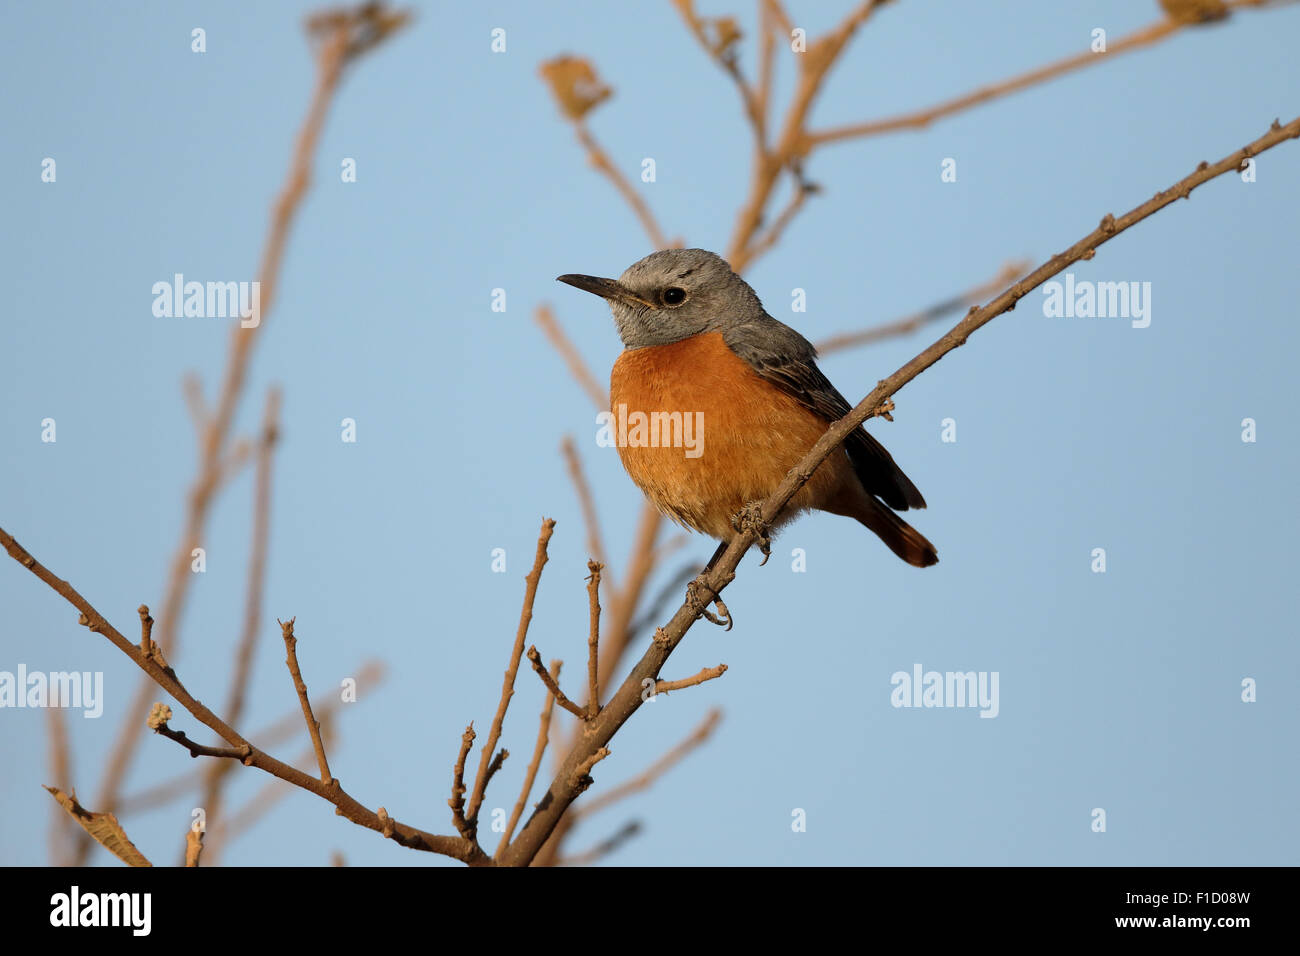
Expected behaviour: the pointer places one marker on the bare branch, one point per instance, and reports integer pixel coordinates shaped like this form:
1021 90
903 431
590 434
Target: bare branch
195 748
508 684
218 838
604 847
567 783
313 725
593 640
239 454
671 588
707 673
1008 273
647 778
1146 36
802 189
618 633
257 561
289 725
721 49
581 776
585 501
600 160
577 367
164 677
577 89
779 16
814 65
767 27
457 801
218 772
496 764
146 630
347 35
530 775
640 566
551 685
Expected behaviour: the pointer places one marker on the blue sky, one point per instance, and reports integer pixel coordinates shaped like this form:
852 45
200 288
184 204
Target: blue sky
1119 691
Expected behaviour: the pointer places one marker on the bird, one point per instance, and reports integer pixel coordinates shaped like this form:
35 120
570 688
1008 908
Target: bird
700 349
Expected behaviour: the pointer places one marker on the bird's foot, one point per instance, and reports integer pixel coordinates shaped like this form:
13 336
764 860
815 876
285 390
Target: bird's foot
722 618
750 521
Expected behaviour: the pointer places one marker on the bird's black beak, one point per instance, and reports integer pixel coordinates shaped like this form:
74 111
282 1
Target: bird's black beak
609 289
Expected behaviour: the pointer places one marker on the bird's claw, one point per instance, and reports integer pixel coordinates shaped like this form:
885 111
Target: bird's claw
723 618
750 521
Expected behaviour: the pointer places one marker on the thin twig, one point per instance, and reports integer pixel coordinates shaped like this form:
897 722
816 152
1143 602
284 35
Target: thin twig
707 673
218 772
197 749
779 15
496 764
530 775
218 838
577 367
600 160
919 119
640 566
725 58
585 501
767 26
313 725
581 776
1146 36
256 581
801 191
645 779
347 806
670 589
239 455
508 683
551 685
605 847
641 563
289 725
457 801
593 639
146 630
768 165
1008 273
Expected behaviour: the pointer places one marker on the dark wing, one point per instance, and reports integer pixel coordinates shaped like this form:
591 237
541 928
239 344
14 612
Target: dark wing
786 359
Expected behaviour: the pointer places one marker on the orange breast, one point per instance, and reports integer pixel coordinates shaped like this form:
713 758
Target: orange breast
703 434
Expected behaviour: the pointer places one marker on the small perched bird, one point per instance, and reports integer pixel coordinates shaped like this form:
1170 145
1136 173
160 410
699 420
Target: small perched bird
1195 11
738 400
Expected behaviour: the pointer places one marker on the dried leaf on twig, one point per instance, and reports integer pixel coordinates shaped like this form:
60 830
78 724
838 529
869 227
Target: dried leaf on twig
575 85
103 827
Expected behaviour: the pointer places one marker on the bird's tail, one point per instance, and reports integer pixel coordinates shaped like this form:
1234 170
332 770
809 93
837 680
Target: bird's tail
904 540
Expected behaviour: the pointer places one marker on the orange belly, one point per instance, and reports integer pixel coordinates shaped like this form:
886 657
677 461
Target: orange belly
738 435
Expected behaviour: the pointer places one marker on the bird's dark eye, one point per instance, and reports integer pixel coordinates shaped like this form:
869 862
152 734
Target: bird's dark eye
674 296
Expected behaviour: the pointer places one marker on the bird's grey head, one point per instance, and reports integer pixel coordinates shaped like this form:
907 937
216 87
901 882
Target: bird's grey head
673 294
